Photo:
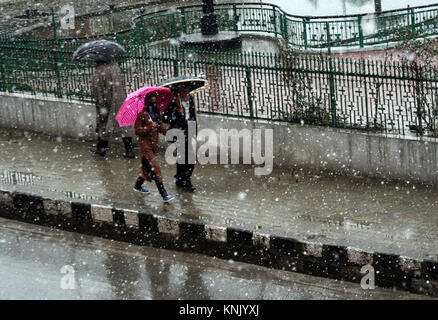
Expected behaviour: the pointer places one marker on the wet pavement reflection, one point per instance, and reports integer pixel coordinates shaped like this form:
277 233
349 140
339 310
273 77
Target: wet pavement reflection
32 258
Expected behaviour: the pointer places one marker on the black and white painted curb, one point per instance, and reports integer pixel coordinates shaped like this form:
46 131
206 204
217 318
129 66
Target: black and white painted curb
337 262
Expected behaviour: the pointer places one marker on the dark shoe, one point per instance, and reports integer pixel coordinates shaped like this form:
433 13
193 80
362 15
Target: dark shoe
129 154
168 198
141 190
100 148
129 150
189 186
180 183
98 151
161 189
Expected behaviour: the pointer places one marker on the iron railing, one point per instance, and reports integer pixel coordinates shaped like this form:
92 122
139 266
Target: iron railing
300 32
389 97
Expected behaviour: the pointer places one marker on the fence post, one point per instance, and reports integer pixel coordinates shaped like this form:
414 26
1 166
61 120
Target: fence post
249 91
359 23
52 12
327 26
183 21
419 95
111 17
332 92
175 63
412 20
274 21
305 32
3 72
236 18
55 58
117 38
284 27
140 34
133 39
331 79
364 83
58 77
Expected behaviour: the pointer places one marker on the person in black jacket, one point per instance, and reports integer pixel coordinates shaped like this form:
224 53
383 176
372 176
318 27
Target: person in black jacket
178 114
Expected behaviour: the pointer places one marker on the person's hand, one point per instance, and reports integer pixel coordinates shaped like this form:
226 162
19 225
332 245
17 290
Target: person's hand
154 124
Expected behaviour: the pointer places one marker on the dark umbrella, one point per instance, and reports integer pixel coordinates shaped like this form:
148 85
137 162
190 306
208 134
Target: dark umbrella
99 50
194 84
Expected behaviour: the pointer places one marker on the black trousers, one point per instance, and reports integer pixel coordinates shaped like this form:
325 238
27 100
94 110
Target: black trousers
184 171
145 163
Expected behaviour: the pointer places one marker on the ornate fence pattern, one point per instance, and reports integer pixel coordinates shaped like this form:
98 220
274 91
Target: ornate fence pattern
316 89
301 32
369 95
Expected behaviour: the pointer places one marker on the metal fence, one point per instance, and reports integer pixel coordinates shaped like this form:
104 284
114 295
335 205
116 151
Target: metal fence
314 89
301 32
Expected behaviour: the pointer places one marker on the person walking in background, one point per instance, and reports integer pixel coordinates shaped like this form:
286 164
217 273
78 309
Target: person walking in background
108 88
147 127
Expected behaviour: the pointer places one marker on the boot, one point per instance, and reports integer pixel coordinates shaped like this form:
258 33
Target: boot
139 183
104 147
129 150
138 187
100 148
189 186
179 175
163 192
186 176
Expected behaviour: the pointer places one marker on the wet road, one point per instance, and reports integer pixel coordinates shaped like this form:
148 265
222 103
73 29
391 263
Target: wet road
32 258
399 218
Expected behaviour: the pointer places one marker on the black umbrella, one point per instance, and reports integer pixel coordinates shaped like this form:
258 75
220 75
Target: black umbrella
194 84
99 50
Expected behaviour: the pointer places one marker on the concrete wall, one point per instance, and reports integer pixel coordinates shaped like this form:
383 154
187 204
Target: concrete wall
48 115
295 146
345 151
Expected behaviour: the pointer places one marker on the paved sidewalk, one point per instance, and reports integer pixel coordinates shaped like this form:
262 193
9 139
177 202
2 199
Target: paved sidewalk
396 218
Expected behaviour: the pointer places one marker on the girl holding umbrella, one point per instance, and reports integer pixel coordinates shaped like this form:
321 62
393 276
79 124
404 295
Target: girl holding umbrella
143 110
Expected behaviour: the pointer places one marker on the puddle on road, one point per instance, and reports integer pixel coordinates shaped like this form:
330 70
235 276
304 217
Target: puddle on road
337 221
18 178
75 195
8 177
